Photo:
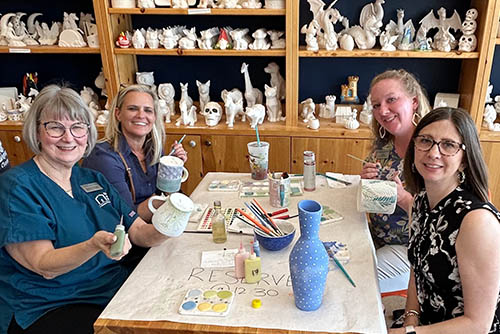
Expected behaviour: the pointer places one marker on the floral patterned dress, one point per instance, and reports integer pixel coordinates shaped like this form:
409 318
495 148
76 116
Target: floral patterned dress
388 229
433 256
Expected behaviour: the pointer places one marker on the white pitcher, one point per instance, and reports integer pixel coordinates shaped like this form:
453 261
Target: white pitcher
171 217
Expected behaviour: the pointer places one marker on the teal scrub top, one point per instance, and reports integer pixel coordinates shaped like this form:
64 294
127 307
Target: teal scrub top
33 207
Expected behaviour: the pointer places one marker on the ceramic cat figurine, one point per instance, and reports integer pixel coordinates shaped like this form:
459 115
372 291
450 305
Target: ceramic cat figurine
256 114
273 105
204 91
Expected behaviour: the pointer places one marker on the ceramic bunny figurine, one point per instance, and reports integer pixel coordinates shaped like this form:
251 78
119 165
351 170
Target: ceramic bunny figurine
189 40
233 103
273 104
256 114
185 97
204 91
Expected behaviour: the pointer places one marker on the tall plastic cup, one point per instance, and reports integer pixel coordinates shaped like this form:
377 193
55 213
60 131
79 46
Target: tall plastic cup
259 159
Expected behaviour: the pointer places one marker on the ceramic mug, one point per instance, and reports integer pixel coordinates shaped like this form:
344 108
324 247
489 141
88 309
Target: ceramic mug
171 173
171 217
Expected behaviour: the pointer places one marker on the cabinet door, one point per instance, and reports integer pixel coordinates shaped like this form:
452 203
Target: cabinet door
331 154
230 153
492 158
194 163
13 143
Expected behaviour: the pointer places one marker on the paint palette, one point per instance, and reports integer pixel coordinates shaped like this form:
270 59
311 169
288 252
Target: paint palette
255 189
224 185
216 303
206 219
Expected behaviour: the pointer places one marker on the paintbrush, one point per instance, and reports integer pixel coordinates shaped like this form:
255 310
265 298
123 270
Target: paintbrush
356 158
179 142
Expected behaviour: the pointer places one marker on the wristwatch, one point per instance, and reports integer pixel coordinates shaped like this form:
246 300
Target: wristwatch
410 330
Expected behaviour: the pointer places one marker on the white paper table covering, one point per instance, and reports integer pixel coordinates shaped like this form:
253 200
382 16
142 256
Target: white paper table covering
155 289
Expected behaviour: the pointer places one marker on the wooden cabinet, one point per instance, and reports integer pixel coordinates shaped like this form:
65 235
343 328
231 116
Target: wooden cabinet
14 145
491 150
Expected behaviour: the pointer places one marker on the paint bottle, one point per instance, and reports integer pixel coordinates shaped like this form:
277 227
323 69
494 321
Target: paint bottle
218 224
239 261
309 171
117 247
256 246
253 269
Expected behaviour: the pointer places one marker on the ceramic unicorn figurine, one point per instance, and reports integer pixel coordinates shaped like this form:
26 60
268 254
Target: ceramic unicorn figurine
252 95
185 97
256 114
233 103
276 79
204 91
273 104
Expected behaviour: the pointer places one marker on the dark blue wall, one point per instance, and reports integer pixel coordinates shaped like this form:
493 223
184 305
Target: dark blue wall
495 72
318 76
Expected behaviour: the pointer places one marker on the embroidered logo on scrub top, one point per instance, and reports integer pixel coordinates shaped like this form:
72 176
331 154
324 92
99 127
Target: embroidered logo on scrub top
102 199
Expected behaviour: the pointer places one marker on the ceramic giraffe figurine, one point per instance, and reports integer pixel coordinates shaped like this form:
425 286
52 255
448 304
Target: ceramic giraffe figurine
252 95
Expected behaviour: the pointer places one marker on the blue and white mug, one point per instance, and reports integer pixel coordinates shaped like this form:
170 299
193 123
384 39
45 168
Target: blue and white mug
171 173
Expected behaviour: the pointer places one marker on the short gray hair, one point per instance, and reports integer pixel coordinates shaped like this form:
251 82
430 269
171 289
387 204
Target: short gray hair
154 140
58 102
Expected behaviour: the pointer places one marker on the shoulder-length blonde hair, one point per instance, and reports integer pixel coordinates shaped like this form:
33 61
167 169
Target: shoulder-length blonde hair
412 87
153 144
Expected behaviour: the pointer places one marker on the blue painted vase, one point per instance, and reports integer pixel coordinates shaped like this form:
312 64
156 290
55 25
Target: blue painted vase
308 259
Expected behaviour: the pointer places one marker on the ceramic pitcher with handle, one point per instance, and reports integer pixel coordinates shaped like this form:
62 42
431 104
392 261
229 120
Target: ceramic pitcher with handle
171 217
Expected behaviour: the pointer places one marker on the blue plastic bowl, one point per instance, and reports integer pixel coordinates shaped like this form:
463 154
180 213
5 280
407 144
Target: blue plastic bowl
277 243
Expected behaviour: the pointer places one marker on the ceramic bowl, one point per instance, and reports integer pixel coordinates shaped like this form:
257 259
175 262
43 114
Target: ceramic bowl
277 243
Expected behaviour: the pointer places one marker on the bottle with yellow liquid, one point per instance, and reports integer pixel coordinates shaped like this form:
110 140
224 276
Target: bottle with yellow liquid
218 224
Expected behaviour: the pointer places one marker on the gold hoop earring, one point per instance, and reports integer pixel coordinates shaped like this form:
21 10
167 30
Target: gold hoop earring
381 132
415 118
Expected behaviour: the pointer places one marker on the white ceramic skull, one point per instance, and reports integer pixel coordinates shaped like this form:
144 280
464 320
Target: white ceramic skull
212 113
469 27
467 43
471 14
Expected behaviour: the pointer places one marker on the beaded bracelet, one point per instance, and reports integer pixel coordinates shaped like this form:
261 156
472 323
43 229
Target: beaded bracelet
410 313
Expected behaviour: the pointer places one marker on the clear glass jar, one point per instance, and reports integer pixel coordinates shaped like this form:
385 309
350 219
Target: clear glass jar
309 171
219 234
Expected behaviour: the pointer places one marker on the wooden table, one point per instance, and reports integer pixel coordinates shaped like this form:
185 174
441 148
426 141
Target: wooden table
140 306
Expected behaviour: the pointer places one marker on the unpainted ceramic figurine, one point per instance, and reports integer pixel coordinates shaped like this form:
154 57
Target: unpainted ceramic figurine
273 104
342 114
212 113
489 115
251 4
387 41
204 92
145 4
152 38
166 92
138 40
366 115
206 4
313 123
276 79
188 115
352 123
276 41
208 38
405 31
47 36
327 110
145 78
370 22
443 39
233 103
468 41
256 114
164 111
189 40
240 39
260 40
185 98
311 30
489 90
252 95
180 4
169 38
497 104
308 109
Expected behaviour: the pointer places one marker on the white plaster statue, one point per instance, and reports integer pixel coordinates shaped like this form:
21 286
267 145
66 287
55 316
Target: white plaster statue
370 22
325 19
100 82
189 40
204 92
233 103
169 38
145 78
313 123
185 98
166 92
251 4
276 79
497 104
206 4
489 115
387 41
240 39
145 4
489 90
405 31
212 113
352 123
327 110
252 95
188 115
138 40
308 109
273 104
47 36
69 22
311 30
152 38
164 111
366 115
276 41
256 114
260 40
13 29
208 38
228 4
468 41
180 4
443 40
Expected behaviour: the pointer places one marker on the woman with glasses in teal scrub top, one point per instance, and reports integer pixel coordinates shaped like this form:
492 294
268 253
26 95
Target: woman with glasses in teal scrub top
56 231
